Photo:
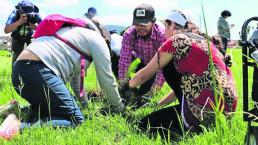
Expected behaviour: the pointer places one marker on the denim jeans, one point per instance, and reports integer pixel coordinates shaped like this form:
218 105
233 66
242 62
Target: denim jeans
47 94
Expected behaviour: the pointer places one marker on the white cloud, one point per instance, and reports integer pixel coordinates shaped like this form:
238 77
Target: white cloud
160 6
6 8
117 19
54 4
157 4
193 14
57 3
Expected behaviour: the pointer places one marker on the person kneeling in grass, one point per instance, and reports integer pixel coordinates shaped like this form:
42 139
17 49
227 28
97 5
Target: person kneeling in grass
190 56
46 65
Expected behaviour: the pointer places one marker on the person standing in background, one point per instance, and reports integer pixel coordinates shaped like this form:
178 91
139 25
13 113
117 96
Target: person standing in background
115 45
224 29
91 13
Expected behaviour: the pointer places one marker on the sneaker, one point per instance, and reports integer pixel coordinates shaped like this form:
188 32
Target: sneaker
9 108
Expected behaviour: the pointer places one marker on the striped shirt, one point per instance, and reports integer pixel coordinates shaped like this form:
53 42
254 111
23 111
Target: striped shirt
145 49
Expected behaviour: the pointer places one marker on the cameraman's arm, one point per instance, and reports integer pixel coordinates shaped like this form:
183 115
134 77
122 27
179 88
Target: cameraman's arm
11 27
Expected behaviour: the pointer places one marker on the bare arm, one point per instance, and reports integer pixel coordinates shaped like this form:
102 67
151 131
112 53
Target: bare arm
171 97
151 69
11 27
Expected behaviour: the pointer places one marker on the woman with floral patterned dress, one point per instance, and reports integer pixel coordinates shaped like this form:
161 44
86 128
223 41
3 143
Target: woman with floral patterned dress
190 56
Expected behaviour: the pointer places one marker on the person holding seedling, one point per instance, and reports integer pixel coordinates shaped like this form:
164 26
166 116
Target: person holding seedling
141 41
206 81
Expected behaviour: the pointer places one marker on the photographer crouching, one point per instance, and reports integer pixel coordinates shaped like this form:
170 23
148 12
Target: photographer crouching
21 22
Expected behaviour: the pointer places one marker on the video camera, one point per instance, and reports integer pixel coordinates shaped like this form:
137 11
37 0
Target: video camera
31 18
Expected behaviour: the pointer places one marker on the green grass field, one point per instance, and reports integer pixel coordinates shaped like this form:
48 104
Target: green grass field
115 129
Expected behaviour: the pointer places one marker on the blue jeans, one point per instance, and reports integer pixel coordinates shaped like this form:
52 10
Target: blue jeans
47 94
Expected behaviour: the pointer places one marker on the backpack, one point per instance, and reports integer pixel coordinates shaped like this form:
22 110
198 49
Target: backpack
51 24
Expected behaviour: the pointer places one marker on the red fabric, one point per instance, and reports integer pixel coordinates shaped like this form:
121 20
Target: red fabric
54 22
50 25
167 46
192 61
197 60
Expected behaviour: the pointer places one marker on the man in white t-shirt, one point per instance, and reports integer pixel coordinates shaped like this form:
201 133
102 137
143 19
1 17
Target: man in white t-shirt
115 44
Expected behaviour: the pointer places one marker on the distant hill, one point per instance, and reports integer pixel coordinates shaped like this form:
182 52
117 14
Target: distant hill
118 28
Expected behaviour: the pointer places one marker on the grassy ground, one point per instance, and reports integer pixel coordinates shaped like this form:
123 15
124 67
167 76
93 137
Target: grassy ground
115 129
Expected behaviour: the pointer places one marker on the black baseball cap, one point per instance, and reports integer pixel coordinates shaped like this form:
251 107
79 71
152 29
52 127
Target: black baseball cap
143 14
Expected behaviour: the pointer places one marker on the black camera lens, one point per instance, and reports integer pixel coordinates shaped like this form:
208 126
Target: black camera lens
31 18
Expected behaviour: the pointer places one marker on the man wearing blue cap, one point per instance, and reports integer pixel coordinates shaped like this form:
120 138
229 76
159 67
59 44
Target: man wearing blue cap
21 22
91 12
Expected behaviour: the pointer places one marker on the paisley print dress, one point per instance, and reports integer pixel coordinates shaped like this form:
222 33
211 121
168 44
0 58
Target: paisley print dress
191 59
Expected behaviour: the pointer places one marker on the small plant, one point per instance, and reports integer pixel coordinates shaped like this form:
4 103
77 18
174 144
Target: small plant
131 70
219 97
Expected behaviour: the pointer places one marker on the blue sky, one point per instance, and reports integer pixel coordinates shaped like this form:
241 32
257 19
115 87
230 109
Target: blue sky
120 11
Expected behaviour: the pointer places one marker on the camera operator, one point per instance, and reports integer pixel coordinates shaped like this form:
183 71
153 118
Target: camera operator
21 22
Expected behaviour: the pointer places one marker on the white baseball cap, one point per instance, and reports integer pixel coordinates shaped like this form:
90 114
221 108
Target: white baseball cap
177 17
